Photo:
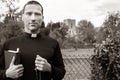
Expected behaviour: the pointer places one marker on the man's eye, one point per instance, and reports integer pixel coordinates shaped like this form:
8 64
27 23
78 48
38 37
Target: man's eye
29 13
38 14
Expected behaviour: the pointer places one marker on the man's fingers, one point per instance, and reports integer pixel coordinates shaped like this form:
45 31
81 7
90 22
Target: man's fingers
20 75
40 58
19 66
39 68
12 61
37 65
39 62
20 71
42 64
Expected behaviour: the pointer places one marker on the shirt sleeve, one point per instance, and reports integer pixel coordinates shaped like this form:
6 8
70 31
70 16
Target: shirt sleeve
58 68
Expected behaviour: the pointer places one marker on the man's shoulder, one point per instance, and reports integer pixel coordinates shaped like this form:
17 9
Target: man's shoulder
49 39
13 39
11 42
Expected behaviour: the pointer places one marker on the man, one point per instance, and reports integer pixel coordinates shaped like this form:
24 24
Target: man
40 56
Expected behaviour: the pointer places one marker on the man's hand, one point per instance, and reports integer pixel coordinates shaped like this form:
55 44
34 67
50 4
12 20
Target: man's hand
42 64
14 71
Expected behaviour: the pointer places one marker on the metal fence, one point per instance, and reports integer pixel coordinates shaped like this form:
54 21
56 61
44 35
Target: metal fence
78 67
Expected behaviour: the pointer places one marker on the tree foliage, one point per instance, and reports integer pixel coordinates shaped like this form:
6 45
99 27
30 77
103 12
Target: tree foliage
10 30
111 23
86 31
11 6
106 61
57 31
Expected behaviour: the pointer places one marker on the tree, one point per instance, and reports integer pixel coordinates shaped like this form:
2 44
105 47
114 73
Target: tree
106 60
10 30
109 27
10 4
57 31
86 31
100 35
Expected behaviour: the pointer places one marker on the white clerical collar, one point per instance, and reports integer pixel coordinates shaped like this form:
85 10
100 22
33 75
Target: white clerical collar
34 35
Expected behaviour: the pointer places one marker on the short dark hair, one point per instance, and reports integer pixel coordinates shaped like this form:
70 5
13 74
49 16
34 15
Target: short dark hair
32 2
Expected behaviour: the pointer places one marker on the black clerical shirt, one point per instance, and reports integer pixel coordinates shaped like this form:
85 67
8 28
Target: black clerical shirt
29 47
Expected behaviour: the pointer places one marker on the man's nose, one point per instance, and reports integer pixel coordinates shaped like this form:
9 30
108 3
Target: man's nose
33 17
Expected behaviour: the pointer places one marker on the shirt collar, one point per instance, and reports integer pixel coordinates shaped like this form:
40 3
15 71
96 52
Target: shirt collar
34 36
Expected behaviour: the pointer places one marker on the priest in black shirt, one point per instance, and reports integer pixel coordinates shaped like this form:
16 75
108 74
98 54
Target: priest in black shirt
40 56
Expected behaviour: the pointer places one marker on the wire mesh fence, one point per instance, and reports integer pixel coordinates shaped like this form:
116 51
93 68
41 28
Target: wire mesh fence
78 67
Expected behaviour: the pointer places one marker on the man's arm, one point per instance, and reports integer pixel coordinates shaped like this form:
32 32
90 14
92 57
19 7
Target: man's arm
2 65
58 68
13 71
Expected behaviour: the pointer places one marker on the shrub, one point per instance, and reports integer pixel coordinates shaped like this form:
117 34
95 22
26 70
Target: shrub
106 61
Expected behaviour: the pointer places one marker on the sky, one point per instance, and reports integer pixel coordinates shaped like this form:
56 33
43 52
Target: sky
95 11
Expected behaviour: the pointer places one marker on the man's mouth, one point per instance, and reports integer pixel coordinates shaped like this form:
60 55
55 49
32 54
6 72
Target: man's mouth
33 24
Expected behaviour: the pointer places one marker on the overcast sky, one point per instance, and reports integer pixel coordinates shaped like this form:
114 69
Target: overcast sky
93 10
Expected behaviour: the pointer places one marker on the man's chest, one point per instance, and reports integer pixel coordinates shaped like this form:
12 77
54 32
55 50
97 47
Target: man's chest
31 49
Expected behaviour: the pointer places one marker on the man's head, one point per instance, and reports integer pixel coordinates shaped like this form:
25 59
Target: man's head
32 16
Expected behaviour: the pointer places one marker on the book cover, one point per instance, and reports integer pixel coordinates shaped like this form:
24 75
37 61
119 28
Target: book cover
8 58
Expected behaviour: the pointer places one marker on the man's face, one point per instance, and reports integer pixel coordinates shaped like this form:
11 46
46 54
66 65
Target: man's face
32 17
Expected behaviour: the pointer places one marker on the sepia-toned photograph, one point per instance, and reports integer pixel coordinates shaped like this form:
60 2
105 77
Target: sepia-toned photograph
59 40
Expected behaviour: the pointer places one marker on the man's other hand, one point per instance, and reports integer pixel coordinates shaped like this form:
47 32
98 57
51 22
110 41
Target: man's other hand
42 64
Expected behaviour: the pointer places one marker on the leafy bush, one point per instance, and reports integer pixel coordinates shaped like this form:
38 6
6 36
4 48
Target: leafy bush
106 61
9 30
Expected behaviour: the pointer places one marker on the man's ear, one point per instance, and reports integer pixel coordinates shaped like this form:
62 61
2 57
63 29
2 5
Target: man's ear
43 17
22 17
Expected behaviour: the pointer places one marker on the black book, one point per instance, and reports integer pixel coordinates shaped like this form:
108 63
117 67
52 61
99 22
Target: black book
8 58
